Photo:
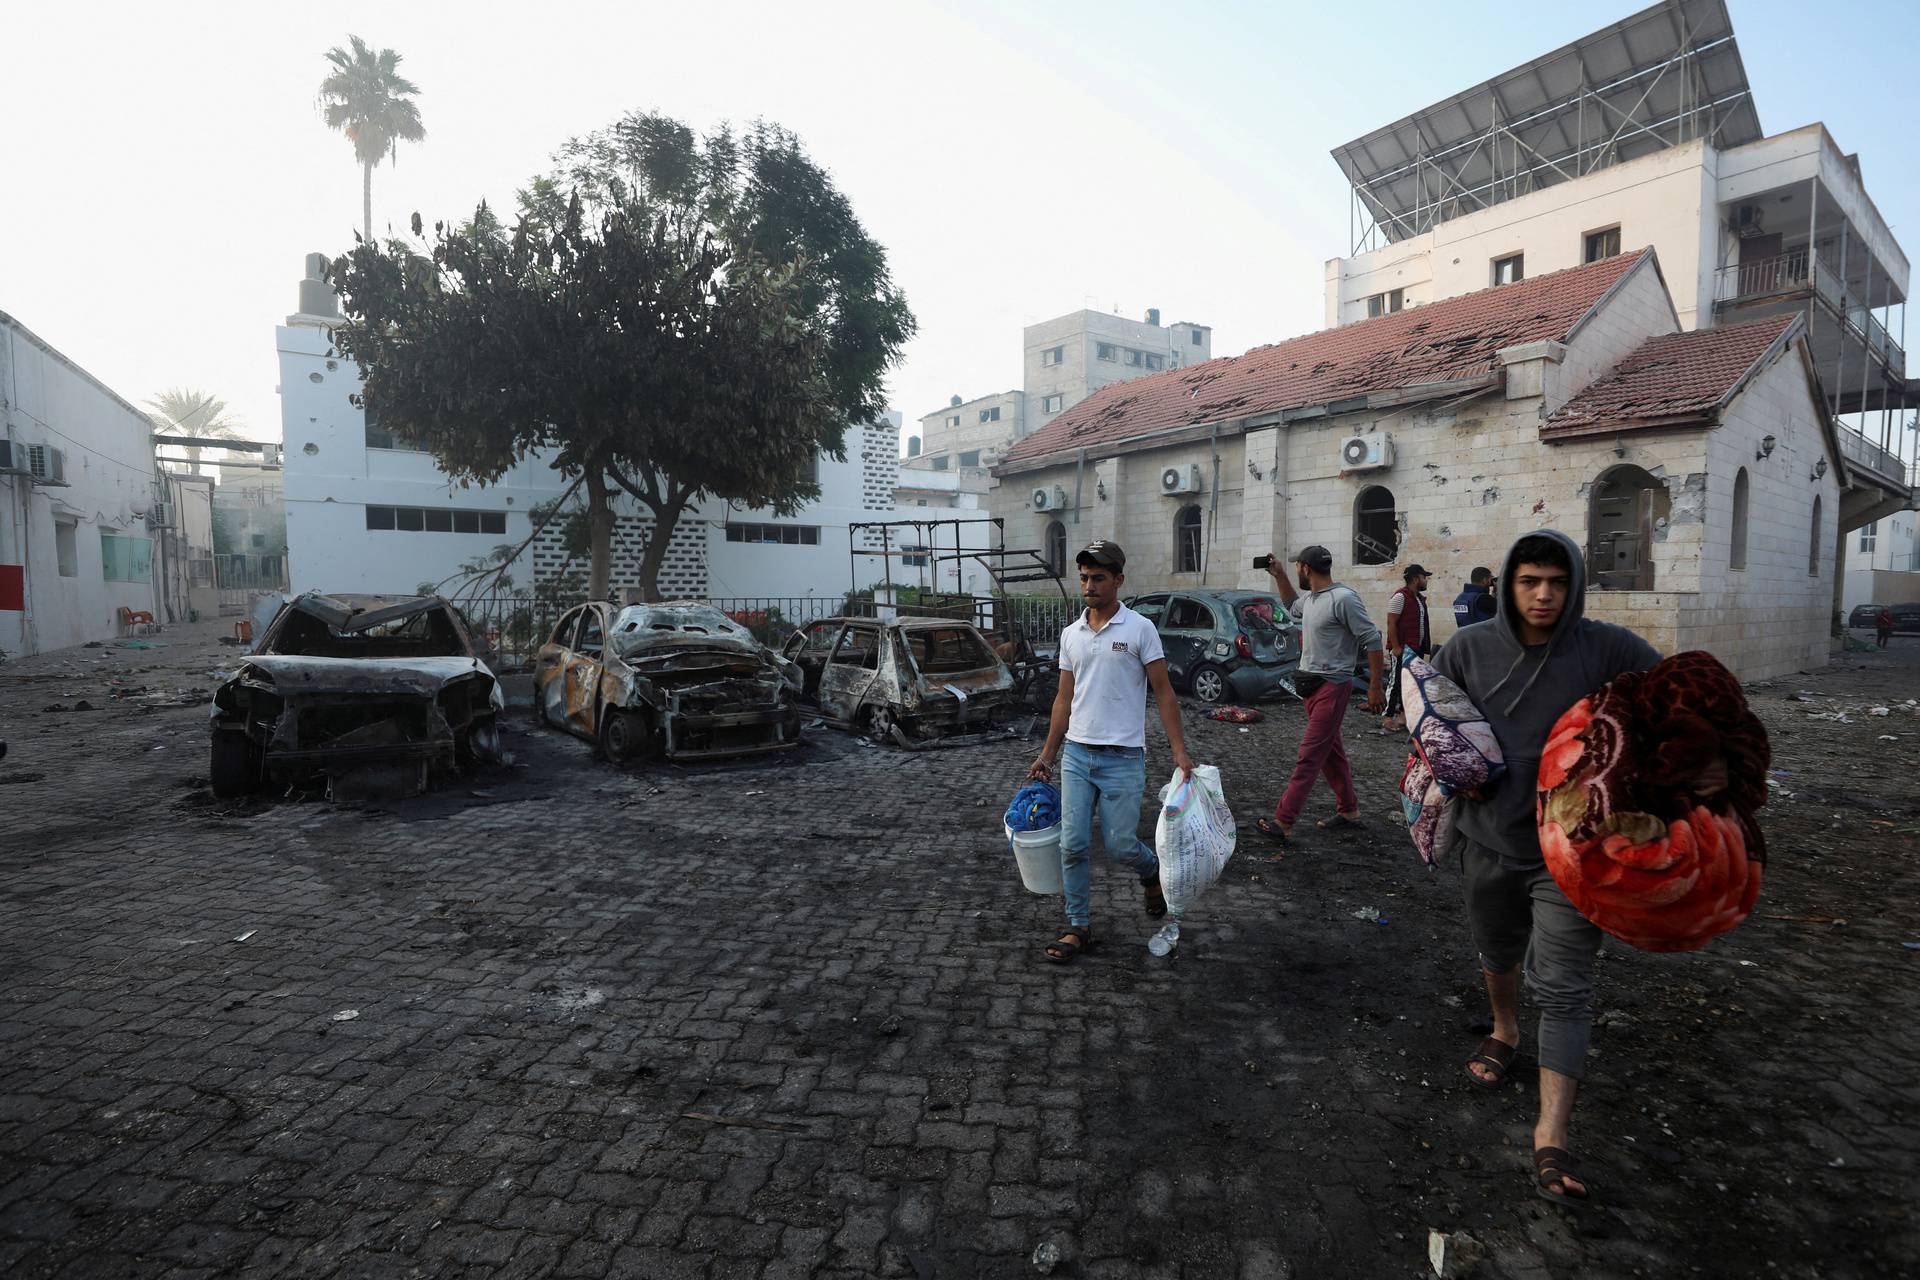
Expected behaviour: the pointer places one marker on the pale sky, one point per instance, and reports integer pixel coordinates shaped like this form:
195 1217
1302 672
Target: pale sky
165 167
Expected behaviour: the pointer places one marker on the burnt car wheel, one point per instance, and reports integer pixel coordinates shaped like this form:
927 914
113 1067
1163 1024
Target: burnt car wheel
234 765
1209 683
880 725
625 735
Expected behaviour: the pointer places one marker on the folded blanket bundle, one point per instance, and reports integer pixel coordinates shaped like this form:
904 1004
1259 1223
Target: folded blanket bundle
1632 845
1453 750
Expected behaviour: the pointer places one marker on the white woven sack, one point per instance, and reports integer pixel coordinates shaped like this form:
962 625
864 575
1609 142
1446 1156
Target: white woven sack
1194 836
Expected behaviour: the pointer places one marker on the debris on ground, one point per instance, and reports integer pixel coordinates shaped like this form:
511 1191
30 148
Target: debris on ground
1236 715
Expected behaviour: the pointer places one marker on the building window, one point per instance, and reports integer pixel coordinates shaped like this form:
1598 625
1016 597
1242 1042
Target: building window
1052 404
1869 537
1626 505
1052 356
1186 539
1737 556
990 415
1156 362
378 437
1602 244
954 420
1381 304
1510 270
970 458
1135 358
429 520
913 555
940 463
1376 526
66 547
788 535
1106 351
1057 549
126 559
1813 541
1195 335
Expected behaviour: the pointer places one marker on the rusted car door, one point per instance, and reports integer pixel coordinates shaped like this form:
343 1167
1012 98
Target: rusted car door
550 670
851 674
584 657
809 649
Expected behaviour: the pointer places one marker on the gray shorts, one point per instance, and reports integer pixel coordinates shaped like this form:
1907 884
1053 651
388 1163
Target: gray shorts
1520 916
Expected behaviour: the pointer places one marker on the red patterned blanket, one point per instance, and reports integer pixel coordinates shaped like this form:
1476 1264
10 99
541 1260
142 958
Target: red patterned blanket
1634 828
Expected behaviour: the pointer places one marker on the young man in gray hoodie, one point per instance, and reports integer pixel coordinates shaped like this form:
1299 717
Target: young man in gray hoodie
1538 656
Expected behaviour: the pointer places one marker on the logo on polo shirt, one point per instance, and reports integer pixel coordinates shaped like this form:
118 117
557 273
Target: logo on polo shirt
1119 646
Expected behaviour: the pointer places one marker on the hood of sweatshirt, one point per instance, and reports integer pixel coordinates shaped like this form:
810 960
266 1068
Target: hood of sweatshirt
1506 614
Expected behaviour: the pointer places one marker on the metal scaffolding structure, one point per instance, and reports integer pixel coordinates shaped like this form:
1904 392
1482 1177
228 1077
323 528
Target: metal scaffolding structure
1667 75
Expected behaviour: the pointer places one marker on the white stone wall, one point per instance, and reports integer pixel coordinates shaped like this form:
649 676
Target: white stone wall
938 438
45 399
1081 372
1637 310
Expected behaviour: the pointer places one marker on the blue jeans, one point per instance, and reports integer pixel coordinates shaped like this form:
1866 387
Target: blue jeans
1113 778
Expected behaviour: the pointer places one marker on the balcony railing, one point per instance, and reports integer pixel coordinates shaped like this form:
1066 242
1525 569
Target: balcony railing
1862 452
1794 272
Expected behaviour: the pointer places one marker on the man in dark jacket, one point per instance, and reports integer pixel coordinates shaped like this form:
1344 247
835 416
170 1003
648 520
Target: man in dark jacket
1539 656
1475 601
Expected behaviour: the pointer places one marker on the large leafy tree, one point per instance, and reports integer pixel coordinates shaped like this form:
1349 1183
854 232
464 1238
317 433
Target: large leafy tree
366 98
183 411
672 317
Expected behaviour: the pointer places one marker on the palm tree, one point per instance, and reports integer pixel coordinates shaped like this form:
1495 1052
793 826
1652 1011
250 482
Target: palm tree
200 414
366 98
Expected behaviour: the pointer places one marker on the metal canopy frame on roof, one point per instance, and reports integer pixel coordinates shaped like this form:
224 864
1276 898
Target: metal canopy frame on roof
1668 75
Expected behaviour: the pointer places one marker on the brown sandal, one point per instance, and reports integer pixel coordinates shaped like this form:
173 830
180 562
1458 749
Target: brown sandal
1553 1166
1497 1057
1156 898
1074 939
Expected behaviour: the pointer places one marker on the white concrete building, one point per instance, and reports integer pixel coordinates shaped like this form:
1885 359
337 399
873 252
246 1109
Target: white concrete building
1700 470
1064 360
1645 133
1883 563
366 513
77 486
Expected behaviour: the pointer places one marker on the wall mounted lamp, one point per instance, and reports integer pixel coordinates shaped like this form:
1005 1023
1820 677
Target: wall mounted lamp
1819 469
1254 468
1100 487
1765 450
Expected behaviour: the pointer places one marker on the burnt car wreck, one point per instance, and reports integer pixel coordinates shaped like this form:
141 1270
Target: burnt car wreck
915 682
372 694
680 681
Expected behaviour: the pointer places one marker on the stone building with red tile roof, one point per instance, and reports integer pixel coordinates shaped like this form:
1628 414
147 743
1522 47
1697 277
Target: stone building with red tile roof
1699 469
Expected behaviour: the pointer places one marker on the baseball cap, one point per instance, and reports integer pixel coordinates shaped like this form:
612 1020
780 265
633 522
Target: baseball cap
1415 571
1315 557
1107 555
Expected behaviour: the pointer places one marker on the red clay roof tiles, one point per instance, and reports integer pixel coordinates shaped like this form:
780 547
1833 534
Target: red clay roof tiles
1446 341
1677 377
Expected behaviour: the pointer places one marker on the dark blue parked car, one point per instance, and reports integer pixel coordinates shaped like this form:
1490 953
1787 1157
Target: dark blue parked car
1224 645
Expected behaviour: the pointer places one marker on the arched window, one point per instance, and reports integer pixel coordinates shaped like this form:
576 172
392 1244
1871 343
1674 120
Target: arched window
1376 526
1187 539
1626 507
1738 557
1813 540
1057 548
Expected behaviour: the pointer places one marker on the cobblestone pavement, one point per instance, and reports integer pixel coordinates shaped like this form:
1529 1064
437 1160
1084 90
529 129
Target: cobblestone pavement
788 1019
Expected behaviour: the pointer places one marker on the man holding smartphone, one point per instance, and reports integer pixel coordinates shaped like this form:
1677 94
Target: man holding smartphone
1334 631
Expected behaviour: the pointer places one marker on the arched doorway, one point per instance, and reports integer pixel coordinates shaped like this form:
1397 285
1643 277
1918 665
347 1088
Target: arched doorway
1626 507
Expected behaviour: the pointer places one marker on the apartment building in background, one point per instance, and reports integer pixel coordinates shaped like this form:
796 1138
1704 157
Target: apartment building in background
1063 361
1647 134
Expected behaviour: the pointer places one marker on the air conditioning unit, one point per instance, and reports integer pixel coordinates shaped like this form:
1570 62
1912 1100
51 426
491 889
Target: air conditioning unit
1053 498
270 455
1746 221
1180 479
1366 453
13 459
160 516
47 464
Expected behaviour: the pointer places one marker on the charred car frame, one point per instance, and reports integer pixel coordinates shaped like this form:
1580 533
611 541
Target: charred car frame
681 681
371 692
911 681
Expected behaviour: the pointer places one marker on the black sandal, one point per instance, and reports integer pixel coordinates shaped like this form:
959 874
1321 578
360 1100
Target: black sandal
1497 1057
1342 822
1156 898
1552 1165
1061 950
1271 829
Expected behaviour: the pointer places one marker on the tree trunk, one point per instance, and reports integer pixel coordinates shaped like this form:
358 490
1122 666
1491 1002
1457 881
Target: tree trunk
665 516
366 198
599 533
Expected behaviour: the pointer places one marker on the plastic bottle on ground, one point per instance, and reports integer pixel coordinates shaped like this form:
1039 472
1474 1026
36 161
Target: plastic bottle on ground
1164 941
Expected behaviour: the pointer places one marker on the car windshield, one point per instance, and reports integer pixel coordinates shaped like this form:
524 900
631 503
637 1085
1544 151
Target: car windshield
428 632
948 650
1257 618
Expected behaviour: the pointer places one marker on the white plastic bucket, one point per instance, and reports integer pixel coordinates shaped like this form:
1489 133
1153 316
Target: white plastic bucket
1038 853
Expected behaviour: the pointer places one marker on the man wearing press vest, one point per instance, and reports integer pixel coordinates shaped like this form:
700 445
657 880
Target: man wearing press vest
1109 658
1334 632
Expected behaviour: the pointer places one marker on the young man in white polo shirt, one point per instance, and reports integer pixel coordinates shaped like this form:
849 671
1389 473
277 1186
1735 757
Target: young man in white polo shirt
1109 658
